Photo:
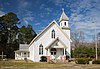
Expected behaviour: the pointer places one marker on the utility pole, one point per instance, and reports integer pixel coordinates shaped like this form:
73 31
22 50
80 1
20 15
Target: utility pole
95 41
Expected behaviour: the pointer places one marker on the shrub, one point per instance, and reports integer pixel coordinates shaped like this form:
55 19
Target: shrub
67 57
82 61
43 59
90 59
96 61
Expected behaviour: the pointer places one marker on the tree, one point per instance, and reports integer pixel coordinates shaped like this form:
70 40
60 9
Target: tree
2 30
26 34
3 36
8 31
78 38
84 52
10 20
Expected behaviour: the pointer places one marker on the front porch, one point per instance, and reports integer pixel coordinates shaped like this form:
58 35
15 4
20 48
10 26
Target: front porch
57 55
21 55
57 51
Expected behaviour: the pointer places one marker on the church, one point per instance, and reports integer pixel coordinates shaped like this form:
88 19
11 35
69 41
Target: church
53 42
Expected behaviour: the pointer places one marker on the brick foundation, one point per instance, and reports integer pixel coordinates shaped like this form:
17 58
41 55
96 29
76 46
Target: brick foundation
48 58
61 60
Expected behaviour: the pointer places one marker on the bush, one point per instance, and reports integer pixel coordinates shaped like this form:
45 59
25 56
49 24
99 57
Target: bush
90 59
96 61
43 59
67 57
82 61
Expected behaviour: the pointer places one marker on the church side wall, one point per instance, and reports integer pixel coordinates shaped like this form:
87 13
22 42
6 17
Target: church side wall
31 49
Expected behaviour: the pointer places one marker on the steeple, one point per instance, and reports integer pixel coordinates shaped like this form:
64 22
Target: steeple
63 16
63 20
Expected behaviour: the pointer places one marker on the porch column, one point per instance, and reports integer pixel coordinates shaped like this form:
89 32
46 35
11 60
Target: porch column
15 55
48 57
21 55
64 56
48 52
64 51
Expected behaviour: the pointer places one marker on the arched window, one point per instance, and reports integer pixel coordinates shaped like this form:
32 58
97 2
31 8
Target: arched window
53 51
53 34
41 49
65 23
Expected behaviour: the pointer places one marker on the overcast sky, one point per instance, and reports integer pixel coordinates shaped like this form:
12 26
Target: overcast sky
39 13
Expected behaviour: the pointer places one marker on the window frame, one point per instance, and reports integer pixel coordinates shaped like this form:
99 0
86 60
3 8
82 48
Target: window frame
53 51
65 23
53 34
41 49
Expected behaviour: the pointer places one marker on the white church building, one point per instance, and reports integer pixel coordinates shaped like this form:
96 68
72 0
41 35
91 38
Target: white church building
53 42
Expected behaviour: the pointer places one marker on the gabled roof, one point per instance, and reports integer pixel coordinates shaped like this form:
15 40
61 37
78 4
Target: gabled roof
21 51
23 47
63 16
52 23
54 41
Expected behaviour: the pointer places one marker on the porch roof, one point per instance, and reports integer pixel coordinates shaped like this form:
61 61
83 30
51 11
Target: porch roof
22 51
55 46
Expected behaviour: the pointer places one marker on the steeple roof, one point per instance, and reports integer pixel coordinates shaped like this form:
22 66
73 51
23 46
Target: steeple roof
63 16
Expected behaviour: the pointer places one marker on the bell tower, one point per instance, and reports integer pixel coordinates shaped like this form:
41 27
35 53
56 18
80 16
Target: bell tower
63 20
64 23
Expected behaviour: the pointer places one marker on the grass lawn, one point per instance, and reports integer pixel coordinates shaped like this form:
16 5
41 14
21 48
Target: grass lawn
29 64
21 64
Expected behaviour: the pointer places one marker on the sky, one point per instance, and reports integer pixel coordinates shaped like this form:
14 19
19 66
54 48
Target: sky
84 15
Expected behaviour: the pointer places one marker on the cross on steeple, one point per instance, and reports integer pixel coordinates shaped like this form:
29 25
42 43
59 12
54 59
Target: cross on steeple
62 9
63 16
2 56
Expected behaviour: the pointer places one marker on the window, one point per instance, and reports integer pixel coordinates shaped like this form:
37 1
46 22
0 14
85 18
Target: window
53 51
24 53
41 49
65 23
53 34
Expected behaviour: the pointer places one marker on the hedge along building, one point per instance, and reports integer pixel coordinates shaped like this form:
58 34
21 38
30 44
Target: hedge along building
53 42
